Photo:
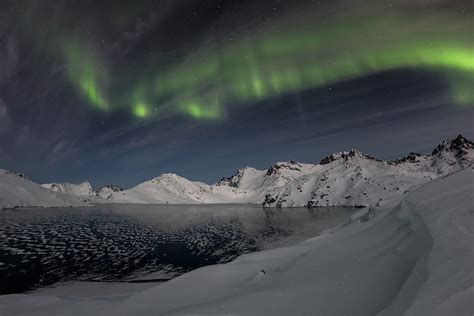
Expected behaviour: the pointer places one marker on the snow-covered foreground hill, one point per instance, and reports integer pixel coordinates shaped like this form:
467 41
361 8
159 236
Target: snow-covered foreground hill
349 178
16 190
413 259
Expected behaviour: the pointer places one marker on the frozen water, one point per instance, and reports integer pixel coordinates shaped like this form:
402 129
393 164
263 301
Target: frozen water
109 242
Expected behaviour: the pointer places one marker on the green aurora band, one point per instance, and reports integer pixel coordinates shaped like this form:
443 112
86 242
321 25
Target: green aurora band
290 56
85 73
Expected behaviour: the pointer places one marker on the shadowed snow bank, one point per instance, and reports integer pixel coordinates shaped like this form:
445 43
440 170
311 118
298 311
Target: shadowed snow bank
447 208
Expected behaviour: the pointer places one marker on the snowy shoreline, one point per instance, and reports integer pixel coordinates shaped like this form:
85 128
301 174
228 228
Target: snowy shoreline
414 259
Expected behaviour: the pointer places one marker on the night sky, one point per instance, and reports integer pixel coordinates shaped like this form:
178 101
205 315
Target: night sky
118 92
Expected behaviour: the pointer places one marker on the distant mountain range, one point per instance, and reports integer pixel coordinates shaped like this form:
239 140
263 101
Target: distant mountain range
349 178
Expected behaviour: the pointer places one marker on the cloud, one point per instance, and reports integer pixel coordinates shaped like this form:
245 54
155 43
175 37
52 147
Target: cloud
8 58
130 38
4 117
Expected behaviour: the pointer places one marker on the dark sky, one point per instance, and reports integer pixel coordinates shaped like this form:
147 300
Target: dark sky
118 92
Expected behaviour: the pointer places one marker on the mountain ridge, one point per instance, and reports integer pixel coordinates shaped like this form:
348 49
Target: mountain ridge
345 178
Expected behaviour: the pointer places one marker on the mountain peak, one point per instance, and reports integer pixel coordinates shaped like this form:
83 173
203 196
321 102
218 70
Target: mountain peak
289 165
234 180
459 144
345 156
165 177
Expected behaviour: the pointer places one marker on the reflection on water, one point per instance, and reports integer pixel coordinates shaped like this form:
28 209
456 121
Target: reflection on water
40 247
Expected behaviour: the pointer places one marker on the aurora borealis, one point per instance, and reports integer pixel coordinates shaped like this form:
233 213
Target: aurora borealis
287 56
146 83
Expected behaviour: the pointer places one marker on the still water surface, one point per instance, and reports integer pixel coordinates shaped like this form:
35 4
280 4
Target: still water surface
142 243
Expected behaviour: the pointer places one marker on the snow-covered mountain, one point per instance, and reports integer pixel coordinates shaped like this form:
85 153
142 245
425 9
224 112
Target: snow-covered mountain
349 178
171 188
447 157
263 180
354 178
17 190
84 189
248 185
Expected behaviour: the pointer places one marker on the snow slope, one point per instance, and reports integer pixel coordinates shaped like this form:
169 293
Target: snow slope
446 206
16 191
414 259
